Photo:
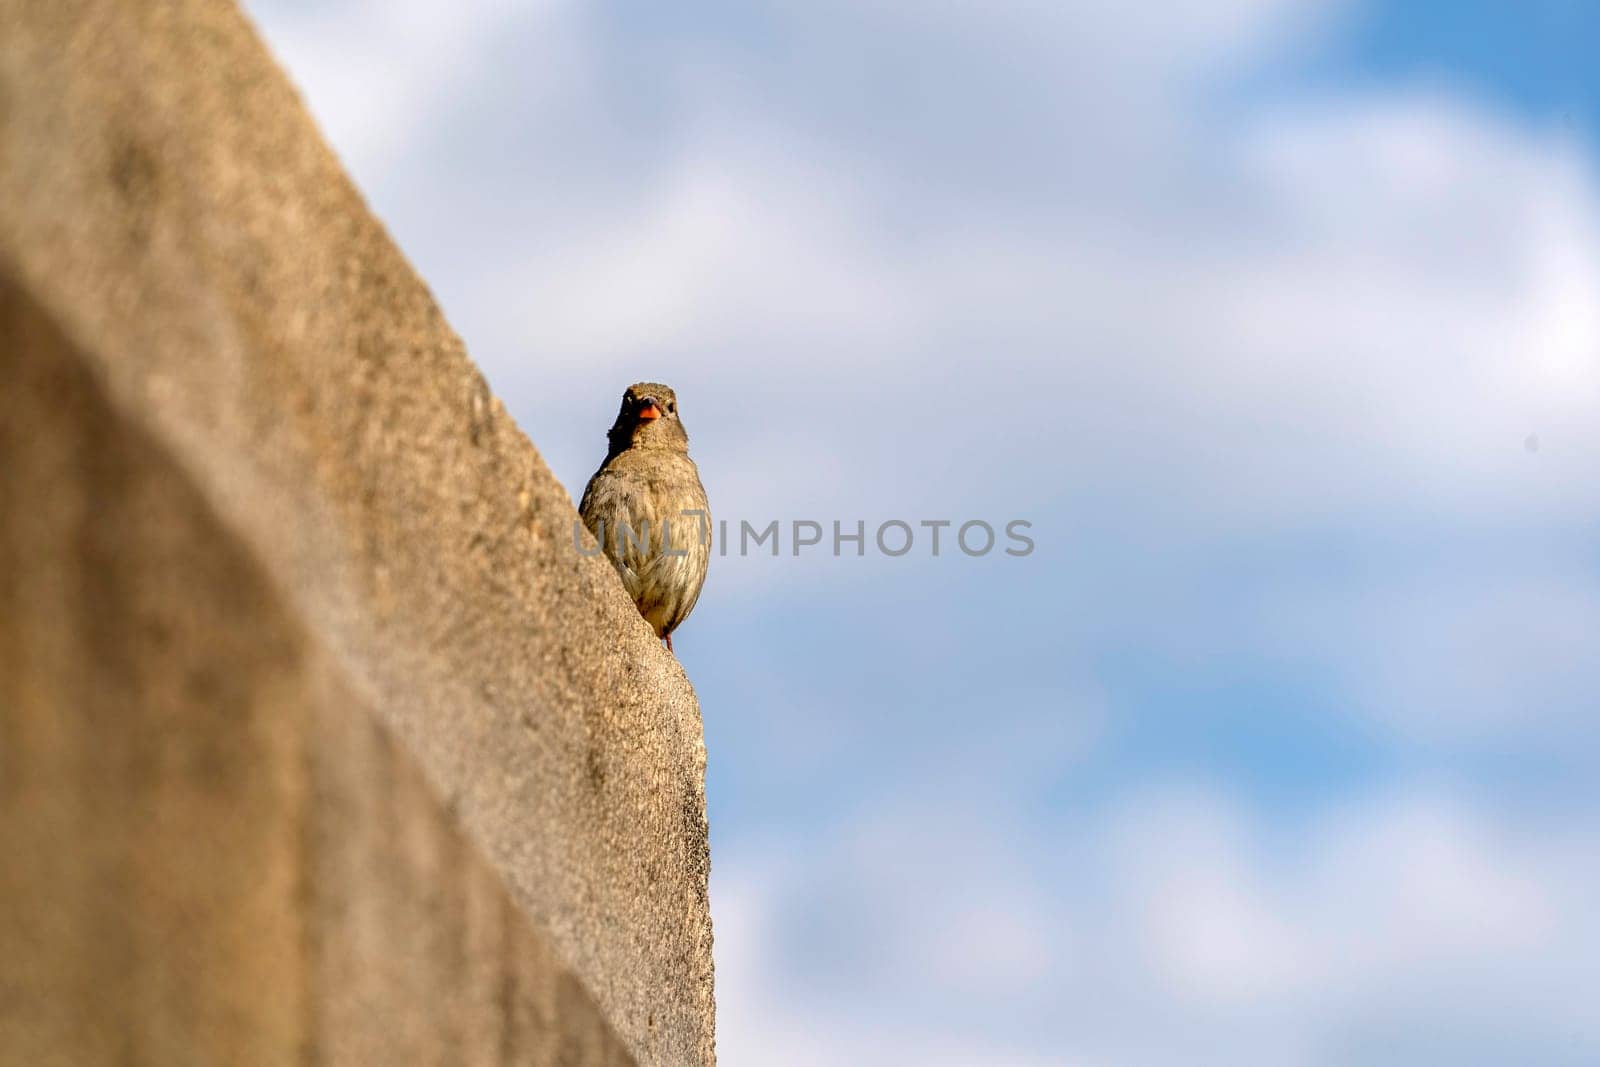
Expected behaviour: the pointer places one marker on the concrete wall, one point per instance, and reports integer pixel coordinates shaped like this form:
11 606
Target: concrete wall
318 741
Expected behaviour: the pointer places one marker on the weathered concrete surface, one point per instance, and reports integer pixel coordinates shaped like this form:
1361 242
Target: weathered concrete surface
318 741
213 851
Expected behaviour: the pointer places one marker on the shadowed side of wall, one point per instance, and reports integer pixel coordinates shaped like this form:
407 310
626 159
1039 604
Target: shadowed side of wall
319 741
213 851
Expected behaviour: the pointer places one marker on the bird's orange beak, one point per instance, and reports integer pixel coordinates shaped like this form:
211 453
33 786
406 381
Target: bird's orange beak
648 412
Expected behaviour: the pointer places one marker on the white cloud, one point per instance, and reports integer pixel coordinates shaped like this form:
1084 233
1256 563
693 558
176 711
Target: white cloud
377 75
733 251
1502 659
1386 325
1184 925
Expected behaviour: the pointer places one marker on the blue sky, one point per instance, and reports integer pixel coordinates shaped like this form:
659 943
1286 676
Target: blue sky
1278 319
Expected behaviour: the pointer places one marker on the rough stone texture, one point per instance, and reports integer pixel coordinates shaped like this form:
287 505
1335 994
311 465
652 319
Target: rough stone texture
318 740
214 852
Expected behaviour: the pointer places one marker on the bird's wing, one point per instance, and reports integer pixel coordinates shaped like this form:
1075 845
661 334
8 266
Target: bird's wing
689 569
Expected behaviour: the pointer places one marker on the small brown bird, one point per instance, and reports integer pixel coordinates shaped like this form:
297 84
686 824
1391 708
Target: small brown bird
647 508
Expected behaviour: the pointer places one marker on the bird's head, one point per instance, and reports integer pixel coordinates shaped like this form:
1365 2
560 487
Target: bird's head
648 419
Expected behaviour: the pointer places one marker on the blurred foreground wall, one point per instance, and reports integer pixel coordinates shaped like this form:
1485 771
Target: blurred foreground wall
318 741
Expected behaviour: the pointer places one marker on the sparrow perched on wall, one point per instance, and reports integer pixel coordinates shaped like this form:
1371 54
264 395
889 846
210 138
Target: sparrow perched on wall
647 508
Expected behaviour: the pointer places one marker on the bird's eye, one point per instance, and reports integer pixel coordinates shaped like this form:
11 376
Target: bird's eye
672 405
